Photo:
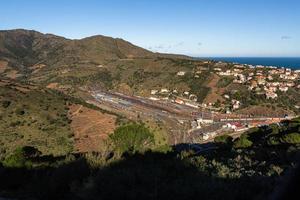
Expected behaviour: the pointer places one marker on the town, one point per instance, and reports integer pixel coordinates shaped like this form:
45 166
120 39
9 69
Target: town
269 82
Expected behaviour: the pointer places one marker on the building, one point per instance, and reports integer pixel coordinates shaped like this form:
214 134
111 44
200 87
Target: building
180 73
204 121
271 95
164 90
235 104
153 92
283 88
179 101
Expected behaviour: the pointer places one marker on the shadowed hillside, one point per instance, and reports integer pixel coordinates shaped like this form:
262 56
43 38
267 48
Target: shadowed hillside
262 164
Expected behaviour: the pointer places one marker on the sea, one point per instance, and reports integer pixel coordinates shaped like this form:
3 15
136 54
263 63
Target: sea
288 62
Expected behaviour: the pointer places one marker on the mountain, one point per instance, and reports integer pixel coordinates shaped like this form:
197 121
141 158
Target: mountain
114 63
26 48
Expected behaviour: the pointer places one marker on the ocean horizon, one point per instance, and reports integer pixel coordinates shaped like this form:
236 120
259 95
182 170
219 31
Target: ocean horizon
288 62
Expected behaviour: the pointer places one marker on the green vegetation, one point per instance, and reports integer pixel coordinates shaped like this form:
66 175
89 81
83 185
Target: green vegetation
225 141
35 118
291 138
21 157
242 142
132 138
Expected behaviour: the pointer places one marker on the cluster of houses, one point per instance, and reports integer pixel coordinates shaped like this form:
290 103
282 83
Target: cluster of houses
185 98
263 80
268 81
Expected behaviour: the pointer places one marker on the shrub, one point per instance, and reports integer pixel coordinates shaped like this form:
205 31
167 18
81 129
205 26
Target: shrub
132 138
291 138
223 139
21 157
5 103
273 141
20 111
275 129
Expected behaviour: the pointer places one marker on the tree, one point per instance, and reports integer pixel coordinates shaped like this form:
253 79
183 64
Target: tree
224 141
132 138
242 142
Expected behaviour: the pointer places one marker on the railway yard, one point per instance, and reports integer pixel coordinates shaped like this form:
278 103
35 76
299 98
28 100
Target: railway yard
184 124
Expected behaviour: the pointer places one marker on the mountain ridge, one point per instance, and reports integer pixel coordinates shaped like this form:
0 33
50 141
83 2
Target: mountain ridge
34 46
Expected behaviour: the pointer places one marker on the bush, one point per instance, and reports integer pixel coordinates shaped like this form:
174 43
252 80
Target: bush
273 141
132 138
223 139
242 142
21 157
20 111
5 103
291 138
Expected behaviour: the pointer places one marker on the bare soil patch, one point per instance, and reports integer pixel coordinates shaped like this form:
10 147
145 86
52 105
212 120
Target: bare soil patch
91 128
52 85
215 93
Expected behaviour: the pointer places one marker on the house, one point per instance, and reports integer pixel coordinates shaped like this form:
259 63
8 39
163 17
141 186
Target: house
153 98
193 97
226 96
270 78
204 121
271 95
290 84
234 126
227 73
186 93
261 80
272 89
153 92
253 84
179 101
180 73
192 104
235 104
164 90
283 88
217 69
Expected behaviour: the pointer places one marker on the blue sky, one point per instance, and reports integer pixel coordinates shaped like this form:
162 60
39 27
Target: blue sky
193 27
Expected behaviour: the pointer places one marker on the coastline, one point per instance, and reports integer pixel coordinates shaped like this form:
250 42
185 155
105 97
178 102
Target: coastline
286 62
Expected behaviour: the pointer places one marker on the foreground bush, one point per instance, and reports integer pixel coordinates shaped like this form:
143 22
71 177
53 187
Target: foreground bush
21 157
242 142
132 138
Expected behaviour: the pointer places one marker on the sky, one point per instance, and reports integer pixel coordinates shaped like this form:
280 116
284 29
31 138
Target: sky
204 28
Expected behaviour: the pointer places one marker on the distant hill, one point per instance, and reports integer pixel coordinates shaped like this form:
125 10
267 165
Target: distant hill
26 47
